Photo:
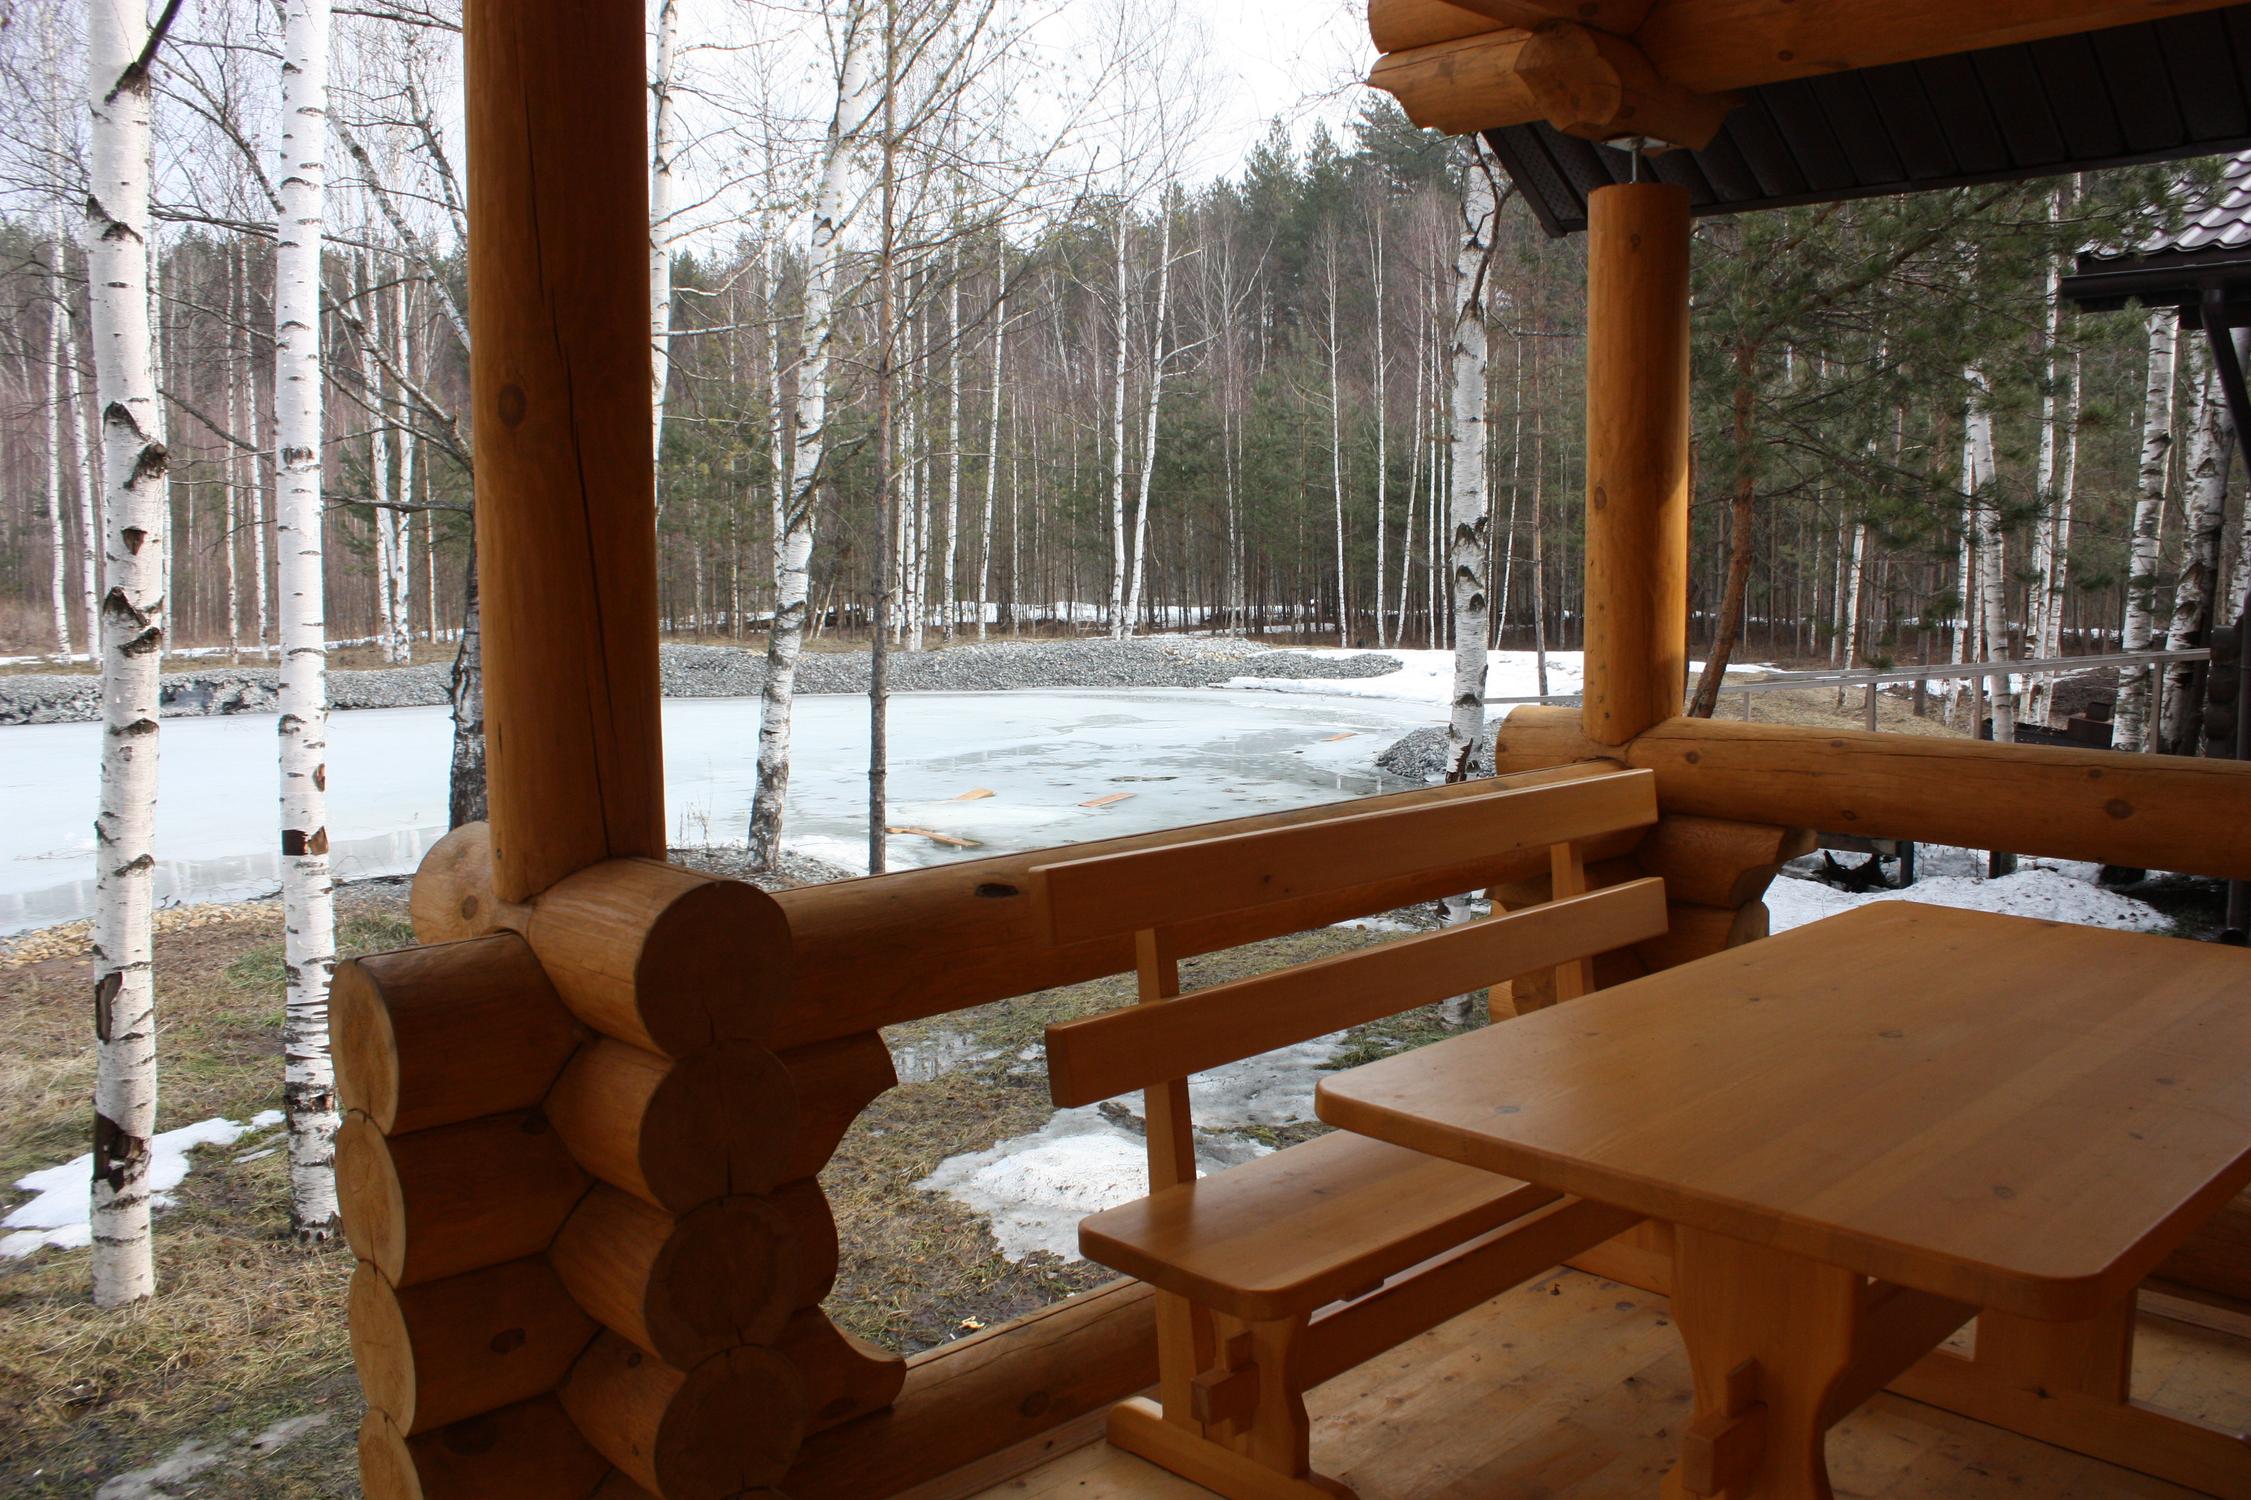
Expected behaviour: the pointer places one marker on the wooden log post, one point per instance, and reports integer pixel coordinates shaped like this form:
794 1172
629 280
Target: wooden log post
1637 458
559 384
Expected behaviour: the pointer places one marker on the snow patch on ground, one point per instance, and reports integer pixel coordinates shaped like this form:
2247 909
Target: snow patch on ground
184 1465
1033 1189
1273 1088
58 1214
2052 893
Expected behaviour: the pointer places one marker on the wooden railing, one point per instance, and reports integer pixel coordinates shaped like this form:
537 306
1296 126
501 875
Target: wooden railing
582 1163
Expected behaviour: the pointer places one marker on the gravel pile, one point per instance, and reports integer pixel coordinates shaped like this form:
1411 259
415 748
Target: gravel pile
1420 754
730 672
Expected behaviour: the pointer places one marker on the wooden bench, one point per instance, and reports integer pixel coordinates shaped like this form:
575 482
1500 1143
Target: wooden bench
1282 1273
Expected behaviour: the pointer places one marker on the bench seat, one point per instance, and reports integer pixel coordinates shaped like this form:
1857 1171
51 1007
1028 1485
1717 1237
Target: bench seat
1291 1232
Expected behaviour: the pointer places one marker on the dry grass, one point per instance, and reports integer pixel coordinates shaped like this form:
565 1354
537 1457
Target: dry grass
1816 708
248 1326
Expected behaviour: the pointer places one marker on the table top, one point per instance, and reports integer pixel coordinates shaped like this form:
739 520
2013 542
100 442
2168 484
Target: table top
2020 1114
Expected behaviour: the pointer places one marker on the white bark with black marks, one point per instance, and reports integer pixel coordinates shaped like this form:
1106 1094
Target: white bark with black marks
1469 521
664 150
856 96
2136 684
2211 442
134 546
307 891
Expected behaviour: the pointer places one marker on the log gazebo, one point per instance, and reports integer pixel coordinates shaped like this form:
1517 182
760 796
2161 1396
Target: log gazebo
588 1115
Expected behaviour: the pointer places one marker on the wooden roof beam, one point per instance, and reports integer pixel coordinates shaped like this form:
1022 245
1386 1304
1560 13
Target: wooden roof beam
1586 83
1400 24
1710 47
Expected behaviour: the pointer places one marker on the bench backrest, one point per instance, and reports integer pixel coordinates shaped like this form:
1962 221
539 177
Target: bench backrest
1155 1045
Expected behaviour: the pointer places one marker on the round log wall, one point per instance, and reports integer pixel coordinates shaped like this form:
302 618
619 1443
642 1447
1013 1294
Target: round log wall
582 1189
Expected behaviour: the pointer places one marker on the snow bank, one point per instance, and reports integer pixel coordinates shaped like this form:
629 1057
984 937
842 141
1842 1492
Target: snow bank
1035 1188
59 1213
2055 895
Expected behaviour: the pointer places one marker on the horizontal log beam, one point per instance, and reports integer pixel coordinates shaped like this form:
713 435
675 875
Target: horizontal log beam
896 948
984 1394
2144 811
1473 81
1399 24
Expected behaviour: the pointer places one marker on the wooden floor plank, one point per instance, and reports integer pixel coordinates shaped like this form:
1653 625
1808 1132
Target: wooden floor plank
1576 1388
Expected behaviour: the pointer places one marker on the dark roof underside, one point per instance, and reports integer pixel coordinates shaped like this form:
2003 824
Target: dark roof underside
2152 91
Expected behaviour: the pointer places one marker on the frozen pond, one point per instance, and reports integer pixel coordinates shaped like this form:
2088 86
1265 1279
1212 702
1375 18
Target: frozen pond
1144 758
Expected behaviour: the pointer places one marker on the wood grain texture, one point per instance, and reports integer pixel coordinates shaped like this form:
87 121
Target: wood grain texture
845 1377
833 1081
440 1202
1637 459
528 1451
443 1351
987 1393
432 1036
684 1289
1718 862
667 959
728 1425
1452 78
451 895
1102 1056
2038 1156
680 1134
1168 886
1573 1388
1398 24
899 947
559 387
1292 1231
2158 812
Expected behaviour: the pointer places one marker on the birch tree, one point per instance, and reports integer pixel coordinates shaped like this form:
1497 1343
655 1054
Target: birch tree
856 98
1468 521
2136 683
664 152
120 48
2211 440
307 892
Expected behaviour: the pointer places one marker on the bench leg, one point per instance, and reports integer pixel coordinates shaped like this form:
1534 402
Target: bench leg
1262 1454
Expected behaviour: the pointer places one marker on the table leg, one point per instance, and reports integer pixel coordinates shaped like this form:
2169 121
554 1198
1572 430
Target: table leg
1769 1336
2069 1384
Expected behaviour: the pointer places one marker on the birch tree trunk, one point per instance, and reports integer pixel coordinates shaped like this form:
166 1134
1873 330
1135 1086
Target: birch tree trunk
307 893
1992 572
793 548
1383 451
2211 439
134 545
85 442
1469 522
2135 684
1157 357
2046 599
948 595
664 148
1336 454
1121 625
465 789
57 534
992 463
402 563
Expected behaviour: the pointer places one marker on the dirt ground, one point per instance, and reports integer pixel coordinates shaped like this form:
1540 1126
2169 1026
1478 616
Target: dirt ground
237 1379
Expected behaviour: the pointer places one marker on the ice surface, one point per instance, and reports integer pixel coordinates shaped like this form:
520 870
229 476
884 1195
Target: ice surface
62 1203
1183 755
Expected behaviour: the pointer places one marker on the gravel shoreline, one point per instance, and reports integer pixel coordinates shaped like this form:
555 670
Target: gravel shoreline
731 672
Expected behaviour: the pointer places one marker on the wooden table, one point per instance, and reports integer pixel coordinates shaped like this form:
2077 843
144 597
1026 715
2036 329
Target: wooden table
1864 1132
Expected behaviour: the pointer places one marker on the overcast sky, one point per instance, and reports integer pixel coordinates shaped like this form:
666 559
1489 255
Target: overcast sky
1299 60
